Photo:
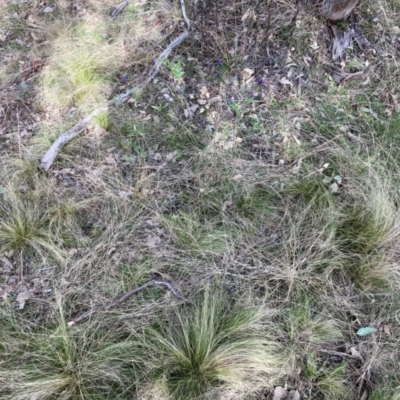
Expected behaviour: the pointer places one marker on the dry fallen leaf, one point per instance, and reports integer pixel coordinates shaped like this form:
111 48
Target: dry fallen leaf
5 292
334 187
73 252
153 241
227 204
8 266
110 160
248 14
247 72
285 81
280 393
215 99
204 92
354 352
170 156
188 114
237 177
386 329
37 285
111 250
22 297
297 166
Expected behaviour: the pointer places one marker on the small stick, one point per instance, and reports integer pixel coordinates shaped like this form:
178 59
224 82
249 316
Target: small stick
126 296
352 75
323 350
66 137
172 289
119 8
185 17
333 352
121 98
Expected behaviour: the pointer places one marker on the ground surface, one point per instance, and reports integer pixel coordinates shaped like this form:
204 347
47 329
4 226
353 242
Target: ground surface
244 175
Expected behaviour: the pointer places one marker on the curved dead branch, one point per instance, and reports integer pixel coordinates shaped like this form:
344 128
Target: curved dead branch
126 296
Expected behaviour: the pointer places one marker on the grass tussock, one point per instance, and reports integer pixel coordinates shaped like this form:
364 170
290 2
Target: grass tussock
190 356
215 344
24 227
58 363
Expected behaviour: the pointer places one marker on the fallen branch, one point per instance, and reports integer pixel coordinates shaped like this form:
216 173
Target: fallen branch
363 43
339 75
324 350
66 137
121 98
126 296
71 133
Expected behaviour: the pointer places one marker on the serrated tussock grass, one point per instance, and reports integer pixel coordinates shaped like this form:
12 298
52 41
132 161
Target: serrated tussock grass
60 363
214 343
25 226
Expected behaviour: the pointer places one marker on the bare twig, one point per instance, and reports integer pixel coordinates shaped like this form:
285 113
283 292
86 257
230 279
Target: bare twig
71 133
119 8
324 350
352 75
173 290
334 353
67 136
126 296
185 17
153 72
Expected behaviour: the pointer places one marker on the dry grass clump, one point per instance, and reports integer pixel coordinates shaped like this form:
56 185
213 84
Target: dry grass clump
193 236
333 231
